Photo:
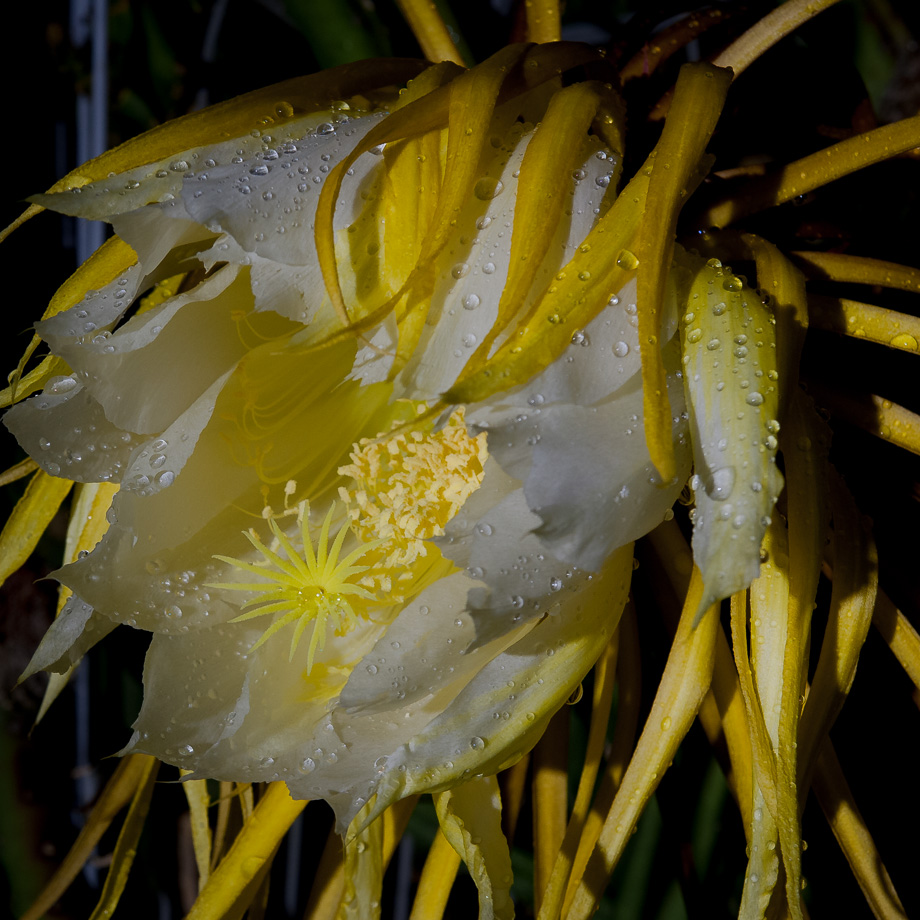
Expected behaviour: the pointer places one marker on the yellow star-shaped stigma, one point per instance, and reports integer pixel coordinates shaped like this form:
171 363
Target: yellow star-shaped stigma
315 587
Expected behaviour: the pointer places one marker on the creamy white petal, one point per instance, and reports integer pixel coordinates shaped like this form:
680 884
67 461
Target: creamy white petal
164 179
474 267
575 436
75 630
731 380
67 433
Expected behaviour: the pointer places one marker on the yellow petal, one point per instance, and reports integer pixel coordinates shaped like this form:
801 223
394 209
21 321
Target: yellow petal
32 514
470 819
238 875
363 869
129 778
126 845
676 160
683 685
817 169
261 110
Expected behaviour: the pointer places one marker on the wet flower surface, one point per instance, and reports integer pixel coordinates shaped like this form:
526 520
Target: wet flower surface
367 401
276 480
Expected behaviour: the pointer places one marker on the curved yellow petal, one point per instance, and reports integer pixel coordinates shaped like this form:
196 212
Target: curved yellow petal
32 514
470 819
436 881
838 266
270 106
126 845
544 20
836 800
676 160
683 685
430 30
852 602
238 875
766 32
817 169
129 778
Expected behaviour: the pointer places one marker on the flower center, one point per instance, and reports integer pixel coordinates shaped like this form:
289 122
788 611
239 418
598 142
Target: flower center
317 587
406 488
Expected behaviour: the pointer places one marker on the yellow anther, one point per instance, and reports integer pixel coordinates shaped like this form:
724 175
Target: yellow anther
406 489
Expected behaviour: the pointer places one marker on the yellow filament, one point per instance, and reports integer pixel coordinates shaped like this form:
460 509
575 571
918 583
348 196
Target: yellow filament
317 587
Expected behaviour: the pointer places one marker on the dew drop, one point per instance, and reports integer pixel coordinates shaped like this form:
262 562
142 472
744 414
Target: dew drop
627 260
488 188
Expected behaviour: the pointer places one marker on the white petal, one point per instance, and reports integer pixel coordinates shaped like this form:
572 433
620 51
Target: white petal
75 630
473 269
68 434
729 346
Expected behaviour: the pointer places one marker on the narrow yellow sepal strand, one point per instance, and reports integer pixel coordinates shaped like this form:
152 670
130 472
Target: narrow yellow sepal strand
18 471
629 694
550 799
112 258
837 803
806 501
32 514
698 100
126 845
430 30
865 321
722 714
762 36
836 266
723 718
817 169
236 879
544 20
329 885
436 881
785 284
761 688
681 690
852 602
604 683
28 214
875 414
900 636
196 793
470 819
130 776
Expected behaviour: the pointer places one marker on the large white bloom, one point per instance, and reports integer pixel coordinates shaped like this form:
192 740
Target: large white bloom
453 574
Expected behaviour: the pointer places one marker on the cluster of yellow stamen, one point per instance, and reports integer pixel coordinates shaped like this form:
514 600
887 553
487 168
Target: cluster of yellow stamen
316 587
406 489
